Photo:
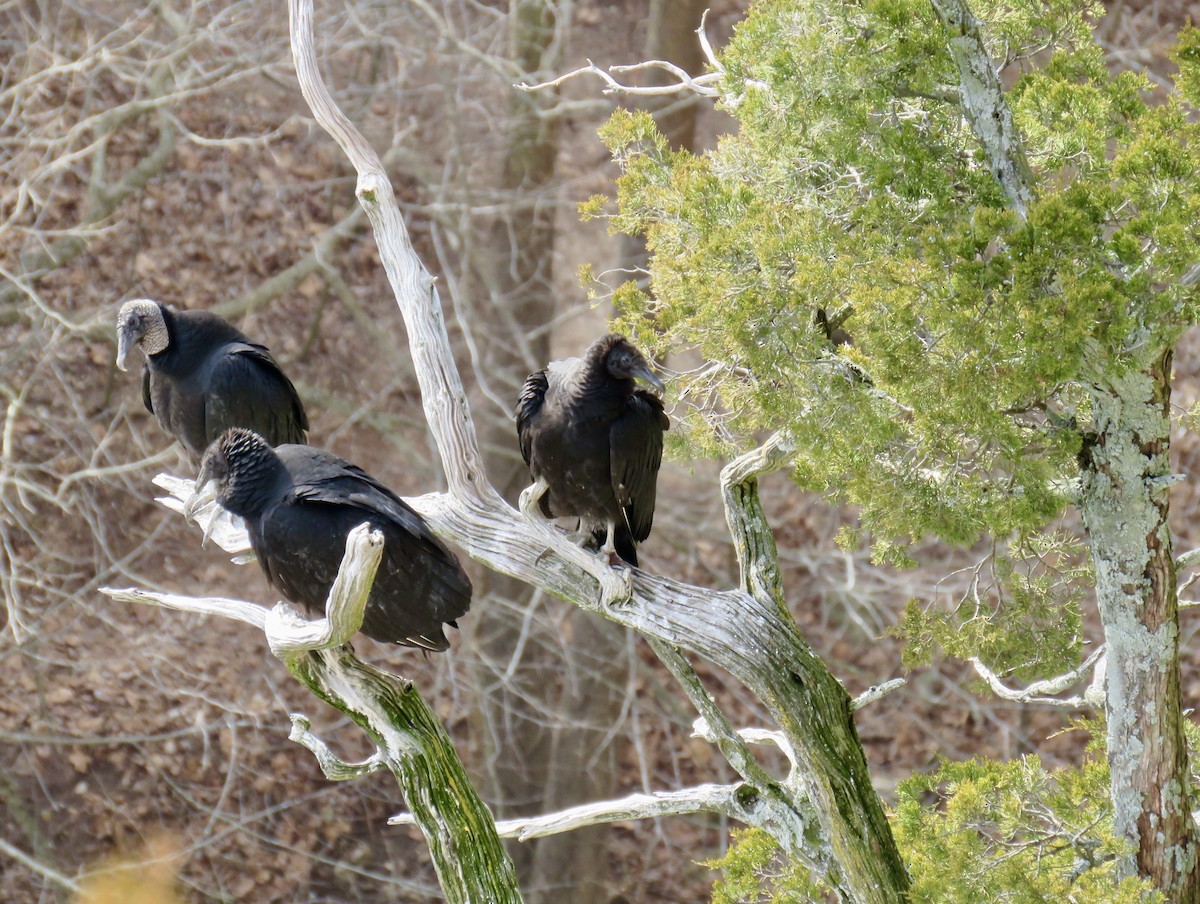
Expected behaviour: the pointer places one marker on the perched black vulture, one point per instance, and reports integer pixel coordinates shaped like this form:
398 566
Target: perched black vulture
203 376
595 441
299 504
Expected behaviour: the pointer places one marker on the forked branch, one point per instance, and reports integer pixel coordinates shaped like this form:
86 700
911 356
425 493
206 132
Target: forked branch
685 82
471 862
750 634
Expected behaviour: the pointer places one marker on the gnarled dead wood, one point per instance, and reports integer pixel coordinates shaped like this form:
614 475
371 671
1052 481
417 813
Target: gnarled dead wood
750 634
470 860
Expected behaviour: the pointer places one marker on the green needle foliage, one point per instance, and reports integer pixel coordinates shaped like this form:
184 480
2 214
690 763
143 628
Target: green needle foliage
973 833
855 275
852 273
854 193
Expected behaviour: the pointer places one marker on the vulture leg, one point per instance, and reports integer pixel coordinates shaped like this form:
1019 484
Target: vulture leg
531 498
610 543
616 585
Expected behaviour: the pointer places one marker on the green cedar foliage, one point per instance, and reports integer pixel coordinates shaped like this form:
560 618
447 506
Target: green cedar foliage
1020 612
973 833
855 197
854 188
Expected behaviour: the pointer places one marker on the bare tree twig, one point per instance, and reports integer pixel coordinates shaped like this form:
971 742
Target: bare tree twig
1037 691
701 729
40 868
699 84
334 768
878 692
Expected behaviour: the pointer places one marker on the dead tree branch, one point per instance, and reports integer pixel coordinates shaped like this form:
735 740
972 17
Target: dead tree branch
470 861
1039 691
687 83
748 632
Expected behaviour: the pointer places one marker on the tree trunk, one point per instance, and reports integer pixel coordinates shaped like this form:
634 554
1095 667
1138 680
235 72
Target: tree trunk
840 819
1124 500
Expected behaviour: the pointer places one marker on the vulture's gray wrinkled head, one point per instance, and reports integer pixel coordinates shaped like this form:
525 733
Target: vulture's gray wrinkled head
141 323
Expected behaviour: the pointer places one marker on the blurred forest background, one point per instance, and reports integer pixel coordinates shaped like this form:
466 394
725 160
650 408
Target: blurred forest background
163 150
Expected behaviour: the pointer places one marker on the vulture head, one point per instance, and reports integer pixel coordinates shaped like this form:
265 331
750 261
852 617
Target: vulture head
244 469
141 323
624 362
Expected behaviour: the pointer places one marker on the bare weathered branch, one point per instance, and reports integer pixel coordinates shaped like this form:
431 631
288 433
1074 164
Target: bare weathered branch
1038 691
410 742
878 692
753 539
723 799
443 398
334 768
687 83
701 729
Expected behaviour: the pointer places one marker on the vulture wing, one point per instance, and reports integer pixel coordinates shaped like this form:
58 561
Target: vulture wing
420 583
146 400
529 406
635 446
247 389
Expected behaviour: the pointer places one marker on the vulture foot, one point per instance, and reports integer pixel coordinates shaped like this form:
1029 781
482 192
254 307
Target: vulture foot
616 584
201 508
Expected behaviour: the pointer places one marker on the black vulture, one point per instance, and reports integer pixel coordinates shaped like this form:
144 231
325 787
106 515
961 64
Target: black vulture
593 441
299 504
202 376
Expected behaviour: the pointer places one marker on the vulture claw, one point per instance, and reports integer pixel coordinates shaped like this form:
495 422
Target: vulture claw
616 585
202 496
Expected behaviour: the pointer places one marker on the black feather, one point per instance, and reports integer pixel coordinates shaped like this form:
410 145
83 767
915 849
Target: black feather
211 377
300 503
596 439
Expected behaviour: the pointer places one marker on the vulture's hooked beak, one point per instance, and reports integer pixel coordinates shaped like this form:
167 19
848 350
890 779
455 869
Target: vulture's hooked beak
127 338
645 373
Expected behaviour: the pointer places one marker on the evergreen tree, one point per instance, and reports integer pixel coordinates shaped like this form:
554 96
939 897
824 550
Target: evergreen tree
959 300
